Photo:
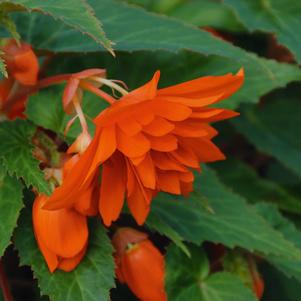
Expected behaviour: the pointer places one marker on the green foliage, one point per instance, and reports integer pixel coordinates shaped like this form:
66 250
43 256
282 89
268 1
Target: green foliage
281 18
189 279
131 25
90 281
10 206
274 129
2 66
77 14
245 181
291 268
230 220
16 153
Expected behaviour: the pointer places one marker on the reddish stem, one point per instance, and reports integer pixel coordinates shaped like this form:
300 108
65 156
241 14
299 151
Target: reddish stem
4 284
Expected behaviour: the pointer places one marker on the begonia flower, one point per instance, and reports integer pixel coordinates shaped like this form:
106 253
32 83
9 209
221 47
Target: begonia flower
148 141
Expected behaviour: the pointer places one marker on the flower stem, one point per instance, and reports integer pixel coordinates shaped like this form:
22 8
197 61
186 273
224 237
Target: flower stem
4 284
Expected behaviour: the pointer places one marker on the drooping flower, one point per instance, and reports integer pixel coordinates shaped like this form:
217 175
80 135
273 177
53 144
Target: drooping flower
62 235
150 141
139 264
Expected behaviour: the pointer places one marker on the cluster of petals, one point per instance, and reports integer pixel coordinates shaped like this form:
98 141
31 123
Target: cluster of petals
23 68
139 264
148 141
62 235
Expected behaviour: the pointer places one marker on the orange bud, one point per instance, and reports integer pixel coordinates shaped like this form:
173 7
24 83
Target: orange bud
62 235
21 61
139 264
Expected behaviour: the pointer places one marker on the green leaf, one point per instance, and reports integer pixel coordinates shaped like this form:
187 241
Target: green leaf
189 279
90 281
133 29
206 13
16 153
156 224
292 268
233 222
245 181
10 206
9 24
77 14
279 17
274 128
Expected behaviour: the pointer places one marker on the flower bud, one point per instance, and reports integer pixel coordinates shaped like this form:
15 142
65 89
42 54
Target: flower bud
62 235
22 63
139 264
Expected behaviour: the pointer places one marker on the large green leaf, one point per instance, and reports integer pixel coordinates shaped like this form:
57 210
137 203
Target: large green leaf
76 13
226 219
10 206
245 181
90 281
291 268
275 16
135 29
16 153
274 128
189 279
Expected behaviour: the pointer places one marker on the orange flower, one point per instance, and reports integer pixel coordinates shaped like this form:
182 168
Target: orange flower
139 264
22 63
149 141
62 235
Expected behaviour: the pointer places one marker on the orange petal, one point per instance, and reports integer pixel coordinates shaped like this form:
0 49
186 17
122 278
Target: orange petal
146 172
158 127
132 146
112 190
165 143
69 264
186 157
130 126
69 93
206 86
149 90
205 150
192 102
50 257
189 128
171 111
64 232
164 161
212 115
106 145
22 62
169 182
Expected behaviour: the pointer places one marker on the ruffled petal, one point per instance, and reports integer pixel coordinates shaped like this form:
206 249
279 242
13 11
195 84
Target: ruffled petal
112 189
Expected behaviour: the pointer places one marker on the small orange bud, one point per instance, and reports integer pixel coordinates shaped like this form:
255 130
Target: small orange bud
22 63
139 264
62 235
